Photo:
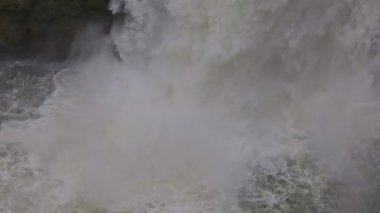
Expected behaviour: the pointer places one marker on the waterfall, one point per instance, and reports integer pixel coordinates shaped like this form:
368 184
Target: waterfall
215 106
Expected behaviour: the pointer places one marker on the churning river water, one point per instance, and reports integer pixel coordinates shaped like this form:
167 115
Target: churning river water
224 106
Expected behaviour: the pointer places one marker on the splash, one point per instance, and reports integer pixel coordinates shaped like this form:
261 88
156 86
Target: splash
210 100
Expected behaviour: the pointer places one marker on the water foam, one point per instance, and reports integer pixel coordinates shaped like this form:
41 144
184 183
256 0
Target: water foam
206 90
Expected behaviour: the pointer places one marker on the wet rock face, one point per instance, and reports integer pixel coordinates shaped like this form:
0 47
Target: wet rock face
47 27
15 5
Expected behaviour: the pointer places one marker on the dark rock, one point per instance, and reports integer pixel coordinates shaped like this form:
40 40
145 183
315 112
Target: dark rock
47 27
15 5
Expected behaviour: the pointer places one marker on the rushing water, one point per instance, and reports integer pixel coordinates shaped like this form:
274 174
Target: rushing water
208 106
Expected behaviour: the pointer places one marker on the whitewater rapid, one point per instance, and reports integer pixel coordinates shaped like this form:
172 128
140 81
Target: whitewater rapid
215 106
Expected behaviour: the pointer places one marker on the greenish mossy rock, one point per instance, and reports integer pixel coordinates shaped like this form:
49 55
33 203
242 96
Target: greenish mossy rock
11 32
14 5
47 27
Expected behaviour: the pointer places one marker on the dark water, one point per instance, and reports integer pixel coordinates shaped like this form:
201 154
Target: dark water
24 85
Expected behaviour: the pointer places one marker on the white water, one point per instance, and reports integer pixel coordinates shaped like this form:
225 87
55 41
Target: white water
206 89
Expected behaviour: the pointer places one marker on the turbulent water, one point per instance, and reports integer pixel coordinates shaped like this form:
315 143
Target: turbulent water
202 106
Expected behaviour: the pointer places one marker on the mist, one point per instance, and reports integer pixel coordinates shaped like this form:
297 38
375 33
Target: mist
190 102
